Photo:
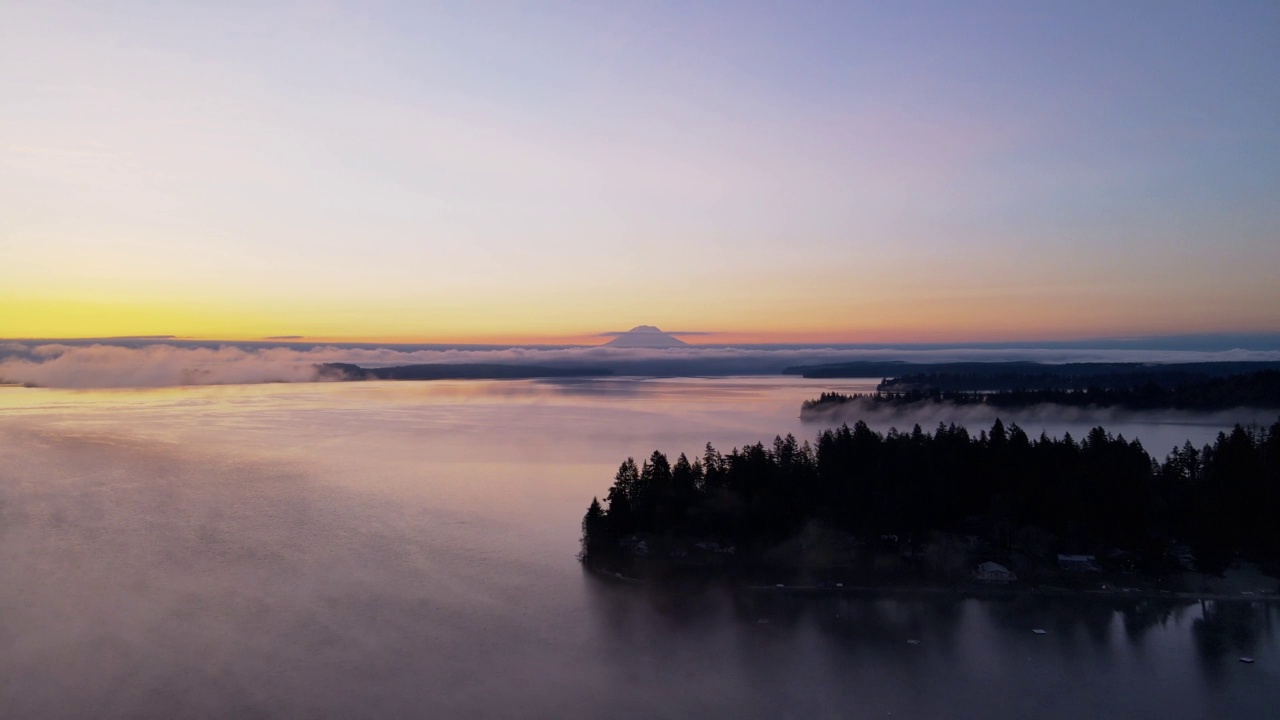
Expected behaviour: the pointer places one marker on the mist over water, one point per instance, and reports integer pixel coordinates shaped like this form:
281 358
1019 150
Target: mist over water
407 550
122 363
1158 430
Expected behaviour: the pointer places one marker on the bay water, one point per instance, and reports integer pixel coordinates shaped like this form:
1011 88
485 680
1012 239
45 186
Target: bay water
384 550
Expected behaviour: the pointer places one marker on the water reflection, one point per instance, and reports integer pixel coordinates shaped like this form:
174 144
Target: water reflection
1091 645
1219 628
1229 628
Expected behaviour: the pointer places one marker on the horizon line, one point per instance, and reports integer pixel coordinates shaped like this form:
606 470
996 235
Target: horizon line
757 340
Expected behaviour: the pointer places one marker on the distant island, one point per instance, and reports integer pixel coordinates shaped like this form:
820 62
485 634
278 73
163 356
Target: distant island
454 371
945 508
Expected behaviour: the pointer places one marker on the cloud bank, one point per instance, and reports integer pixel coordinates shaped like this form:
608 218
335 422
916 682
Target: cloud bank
108 366
104 365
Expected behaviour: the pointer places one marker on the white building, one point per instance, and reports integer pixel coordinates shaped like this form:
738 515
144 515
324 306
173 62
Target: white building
990 572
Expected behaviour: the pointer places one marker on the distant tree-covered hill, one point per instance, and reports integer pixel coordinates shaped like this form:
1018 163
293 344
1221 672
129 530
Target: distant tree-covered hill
454 371
1259 389
989 376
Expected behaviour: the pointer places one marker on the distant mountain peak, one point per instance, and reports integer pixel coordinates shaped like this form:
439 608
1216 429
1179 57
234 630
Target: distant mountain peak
645 336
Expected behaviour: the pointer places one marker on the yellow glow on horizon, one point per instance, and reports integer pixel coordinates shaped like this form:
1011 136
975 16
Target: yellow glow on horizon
971 320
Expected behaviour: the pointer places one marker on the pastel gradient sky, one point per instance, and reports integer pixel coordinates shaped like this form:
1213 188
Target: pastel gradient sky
836 171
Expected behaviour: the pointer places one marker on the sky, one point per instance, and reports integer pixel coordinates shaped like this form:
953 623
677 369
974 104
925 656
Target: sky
770 172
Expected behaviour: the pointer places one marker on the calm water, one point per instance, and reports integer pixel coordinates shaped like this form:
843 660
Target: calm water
392 550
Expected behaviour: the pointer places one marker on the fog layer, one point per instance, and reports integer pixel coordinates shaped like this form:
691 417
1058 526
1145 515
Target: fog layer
147 364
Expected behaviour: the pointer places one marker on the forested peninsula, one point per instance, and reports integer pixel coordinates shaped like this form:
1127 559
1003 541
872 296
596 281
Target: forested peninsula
857 507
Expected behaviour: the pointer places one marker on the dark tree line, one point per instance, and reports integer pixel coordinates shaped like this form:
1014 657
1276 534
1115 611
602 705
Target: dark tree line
1258 389
1101 492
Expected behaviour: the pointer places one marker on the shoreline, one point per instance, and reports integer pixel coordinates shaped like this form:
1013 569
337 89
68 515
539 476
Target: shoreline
1002 592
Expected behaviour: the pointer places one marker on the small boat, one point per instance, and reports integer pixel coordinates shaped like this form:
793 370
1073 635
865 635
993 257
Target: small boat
913 642
1039 631
1246 660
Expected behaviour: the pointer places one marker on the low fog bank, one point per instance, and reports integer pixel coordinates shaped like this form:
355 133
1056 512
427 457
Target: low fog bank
1050 418
108 366
159 364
